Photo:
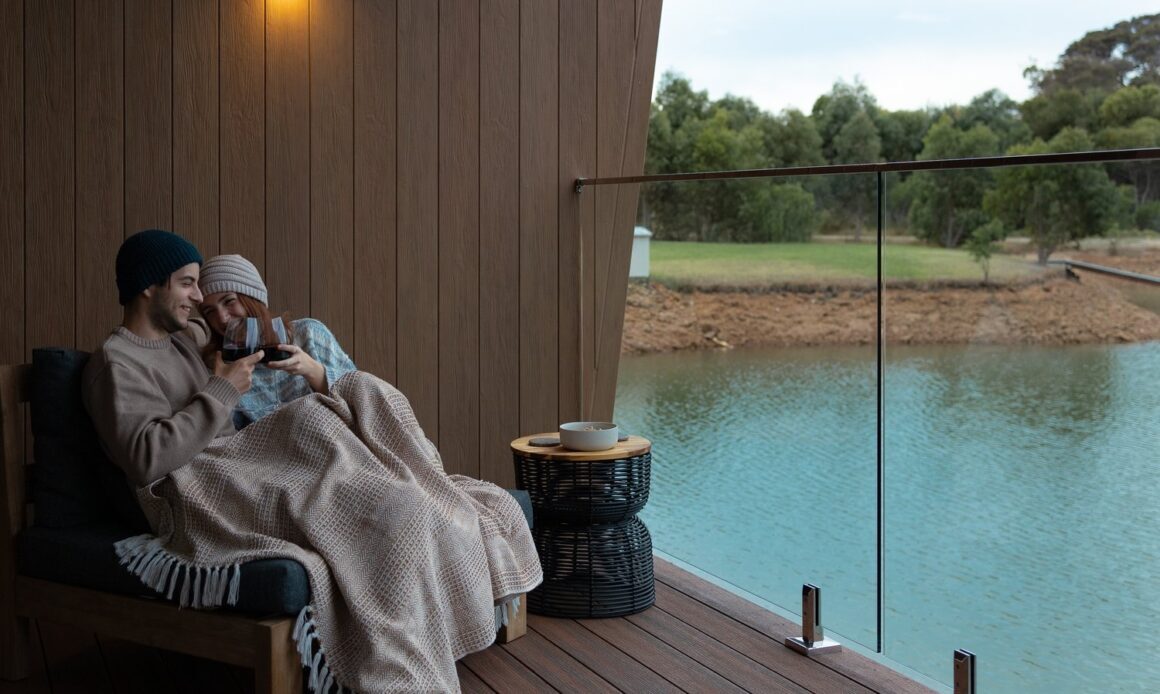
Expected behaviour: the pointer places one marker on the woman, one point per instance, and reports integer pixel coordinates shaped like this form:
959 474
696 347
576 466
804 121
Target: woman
232 288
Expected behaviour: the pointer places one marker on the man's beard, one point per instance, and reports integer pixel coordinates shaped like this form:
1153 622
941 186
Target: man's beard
164 319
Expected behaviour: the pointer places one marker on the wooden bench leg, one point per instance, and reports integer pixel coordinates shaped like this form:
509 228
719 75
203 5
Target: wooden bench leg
516 612
14 647
279 668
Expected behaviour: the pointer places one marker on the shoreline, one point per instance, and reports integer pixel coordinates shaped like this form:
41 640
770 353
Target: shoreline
1088 309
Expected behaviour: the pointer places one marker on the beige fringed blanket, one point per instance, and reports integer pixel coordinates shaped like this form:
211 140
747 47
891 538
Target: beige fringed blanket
405 562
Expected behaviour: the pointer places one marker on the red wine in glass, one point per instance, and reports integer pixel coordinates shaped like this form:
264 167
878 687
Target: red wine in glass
243 337
272 353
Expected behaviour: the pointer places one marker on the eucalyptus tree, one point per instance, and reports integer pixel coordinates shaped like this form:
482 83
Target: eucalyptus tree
1057 203
947 205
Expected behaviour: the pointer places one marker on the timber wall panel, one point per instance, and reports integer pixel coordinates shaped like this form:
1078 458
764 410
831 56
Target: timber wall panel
637 93
459 235
418 201
617 25
100 164
577 155
400 169
49 175
288 198
241 118
195 122
148 115
539 191
332 166
12 180
374 187
499 243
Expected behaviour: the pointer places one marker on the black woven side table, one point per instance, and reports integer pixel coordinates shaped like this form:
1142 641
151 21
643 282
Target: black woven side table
596 554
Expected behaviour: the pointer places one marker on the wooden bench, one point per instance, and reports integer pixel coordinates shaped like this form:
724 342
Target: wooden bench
263 644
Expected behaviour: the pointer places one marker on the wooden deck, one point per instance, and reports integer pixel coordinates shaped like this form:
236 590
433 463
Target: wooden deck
698 637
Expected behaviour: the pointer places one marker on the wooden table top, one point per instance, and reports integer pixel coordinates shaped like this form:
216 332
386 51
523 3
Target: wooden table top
629 448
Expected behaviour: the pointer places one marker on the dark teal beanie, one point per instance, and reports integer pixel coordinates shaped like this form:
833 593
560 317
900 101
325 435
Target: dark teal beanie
149 257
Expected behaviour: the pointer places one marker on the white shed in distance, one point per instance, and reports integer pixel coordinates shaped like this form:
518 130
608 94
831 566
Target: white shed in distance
638 266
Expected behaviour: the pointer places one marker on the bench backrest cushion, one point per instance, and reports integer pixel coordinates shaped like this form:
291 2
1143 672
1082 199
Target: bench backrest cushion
73 482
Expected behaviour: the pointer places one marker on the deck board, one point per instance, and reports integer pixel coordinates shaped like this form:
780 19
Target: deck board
501 671
847 663
731 664
677 667
555 666
469 682
620 669
755 644
698 637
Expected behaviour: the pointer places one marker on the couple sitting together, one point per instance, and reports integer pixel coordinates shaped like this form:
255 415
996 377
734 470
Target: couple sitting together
303 458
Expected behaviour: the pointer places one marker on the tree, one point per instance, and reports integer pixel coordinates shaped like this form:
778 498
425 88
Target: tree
791 139
947 204
1047 114
679 101
1128 105
1055 203
677 115
998 112
1106 59
1144 176
901 133
833 111
688 132
856 142
776 212
981 245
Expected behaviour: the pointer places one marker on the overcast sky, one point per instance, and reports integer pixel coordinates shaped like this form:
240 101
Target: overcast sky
786 53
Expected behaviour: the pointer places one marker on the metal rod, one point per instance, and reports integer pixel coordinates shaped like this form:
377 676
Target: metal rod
880 429
1114 272
964 672
813 640
1111 155
812 631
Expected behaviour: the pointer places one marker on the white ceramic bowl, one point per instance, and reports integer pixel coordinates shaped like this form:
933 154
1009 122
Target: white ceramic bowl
588 436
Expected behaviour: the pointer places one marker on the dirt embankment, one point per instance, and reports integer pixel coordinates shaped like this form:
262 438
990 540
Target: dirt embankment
1055 311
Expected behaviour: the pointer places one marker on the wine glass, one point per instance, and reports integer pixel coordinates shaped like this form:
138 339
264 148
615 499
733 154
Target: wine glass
244 336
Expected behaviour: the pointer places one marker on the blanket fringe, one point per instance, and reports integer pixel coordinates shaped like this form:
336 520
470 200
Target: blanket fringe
313 655
212 586
201 586
502 613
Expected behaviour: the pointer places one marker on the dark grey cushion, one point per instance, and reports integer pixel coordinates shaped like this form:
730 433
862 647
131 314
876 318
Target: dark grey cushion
525 502
83 556
73 482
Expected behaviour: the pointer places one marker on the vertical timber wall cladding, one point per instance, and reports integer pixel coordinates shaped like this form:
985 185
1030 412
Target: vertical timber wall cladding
399 169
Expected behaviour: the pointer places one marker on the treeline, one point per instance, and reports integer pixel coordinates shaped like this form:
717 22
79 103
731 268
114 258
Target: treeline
1103 93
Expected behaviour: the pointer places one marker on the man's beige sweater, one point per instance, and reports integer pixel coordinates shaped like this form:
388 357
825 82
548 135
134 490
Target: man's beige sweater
154 403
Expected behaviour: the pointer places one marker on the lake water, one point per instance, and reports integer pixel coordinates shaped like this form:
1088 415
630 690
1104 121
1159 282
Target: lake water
1022 498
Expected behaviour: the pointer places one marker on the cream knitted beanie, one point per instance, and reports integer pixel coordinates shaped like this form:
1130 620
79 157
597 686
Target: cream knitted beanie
232 273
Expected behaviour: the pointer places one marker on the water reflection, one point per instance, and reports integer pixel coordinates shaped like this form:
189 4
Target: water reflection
1039 387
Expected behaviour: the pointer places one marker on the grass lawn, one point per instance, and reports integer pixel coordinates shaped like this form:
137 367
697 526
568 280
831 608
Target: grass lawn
692 264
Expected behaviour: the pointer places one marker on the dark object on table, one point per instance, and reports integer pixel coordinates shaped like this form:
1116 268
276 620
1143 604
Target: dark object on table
544 441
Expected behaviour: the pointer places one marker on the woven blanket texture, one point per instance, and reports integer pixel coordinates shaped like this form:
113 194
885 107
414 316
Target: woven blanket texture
405 562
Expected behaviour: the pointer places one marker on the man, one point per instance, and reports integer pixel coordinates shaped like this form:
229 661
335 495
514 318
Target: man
405 562
153 401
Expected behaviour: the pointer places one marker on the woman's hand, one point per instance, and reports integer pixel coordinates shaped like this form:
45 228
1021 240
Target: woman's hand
302 364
